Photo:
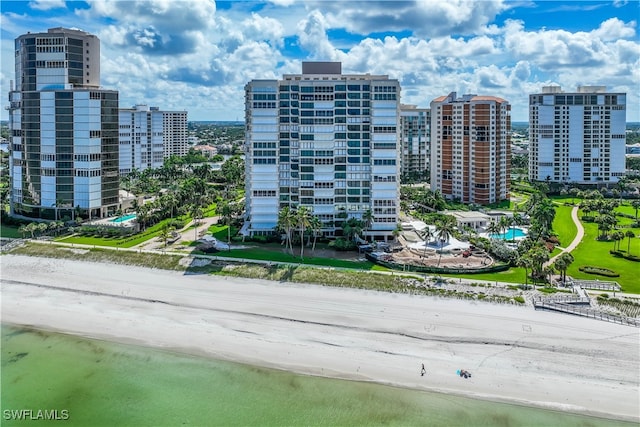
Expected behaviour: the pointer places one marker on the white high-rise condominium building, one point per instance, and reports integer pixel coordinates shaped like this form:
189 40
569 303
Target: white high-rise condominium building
577 137
471 148
415 125
325 140
175 138
148 136
64 128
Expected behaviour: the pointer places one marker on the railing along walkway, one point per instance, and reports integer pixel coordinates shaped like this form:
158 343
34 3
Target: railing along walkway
578 310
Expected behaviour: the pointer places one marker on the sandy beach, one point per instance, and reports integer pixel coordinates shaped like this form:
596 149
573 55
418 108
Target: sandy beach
515 354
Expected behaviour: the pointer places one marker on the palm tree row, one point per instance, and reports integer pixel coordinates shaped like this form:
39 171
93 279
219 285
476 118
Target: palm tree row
422 198
41 228
301 219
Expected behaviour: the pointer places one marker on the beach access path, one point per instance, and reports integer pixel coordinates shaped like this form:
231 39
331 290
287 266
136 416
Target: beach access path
515 354
576 240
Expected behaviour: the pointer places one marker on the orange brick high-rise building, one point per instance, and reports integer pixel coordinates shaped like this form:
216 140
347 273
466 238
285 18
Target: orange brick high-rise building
471 148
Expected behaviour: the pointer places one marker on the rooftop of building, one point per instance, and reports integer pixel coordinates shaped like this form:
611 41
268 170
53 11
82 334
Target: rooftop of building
60 30
468 214
550 90
453 97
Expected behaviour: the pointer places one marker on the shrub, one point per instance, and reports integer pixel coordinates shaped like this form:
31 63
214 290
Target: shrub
341 244
501 251
621 254
519 299
176 223
601 271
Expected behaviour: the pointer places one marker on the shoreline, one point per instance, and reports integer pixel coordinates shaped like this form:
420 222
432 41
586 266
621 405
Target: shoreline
194 353
581 366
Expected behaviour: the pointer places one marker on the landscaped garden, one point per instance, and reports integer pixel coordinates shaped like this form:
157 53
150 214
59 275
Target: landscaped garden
595 253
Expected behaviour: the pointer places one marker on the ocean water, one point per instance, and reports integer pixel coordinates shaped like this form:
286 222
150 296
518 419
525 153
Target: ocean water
96 383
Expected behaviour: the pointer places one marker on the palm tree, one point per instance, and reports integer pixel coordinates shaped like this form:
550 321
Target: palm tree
171 202
630 235
493 229
303 220
316 227
547 272
544 213
226 209
43 227
165 233
525 262
620 235
52 226
427 235
562 264
504 223
397 231
636 206
539 254
31 228
352 228
196 213
367 218
444 231
286 221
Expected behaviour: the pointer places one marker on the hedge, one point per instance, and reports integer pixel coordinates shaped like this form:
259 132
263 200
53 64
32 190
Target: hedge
601 271
624 255
436 270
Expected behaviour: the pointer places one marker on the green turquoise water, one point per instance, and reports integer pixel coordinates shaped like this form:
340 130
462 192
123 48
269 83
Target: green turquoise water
124 218
107 384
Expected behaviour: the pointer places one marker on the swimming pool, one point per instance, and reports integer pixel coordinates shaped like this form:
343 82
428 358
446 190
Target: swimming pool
511 234
123 218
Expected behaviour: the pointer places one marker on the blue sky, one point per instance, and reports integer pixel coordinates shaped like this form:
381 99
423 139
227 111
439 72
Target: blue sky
197 55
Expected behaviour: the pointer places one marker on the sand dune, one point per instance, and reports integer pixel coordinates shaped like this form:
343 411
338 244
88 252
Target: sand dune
514 353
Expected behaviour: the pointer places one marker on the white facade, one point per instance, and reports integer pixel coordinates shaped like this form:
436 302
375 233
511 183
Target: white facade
148 136
324 140
577 137
64 129
175 136
416 135
141 138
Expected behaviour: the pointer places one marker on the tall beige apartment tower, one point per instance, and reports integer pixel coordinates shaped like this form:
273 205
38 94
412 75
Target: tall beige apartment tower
471 148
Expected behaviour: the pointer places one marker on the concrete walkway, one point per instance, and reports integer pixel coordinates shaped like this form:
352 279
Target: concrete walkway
576 240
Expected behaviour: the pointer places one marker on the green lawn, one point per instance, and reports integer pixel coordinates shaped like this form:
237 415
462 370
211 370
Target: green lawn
563 225
119 242
627 209
596 253
274 252
220 232
9 232
566 199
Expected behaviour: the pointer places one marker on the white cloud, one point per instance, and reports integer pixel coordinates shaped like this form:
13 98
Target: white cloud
613 29
426 18
263 28
312 36
47 4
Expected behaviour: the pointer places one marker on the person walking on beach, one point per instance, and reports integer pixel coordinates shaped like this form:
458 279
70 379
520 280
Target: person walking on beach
423 371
